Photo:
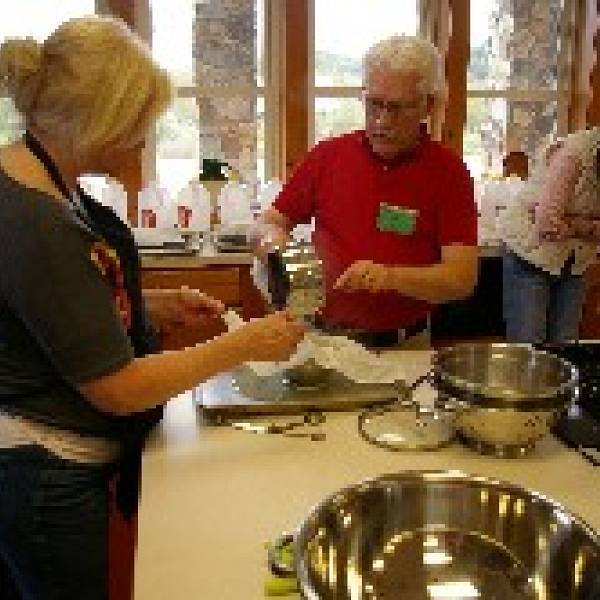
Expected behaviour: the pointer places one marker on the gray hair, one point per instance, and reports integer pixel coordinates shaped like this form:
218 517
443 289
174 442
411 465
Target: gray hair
406 54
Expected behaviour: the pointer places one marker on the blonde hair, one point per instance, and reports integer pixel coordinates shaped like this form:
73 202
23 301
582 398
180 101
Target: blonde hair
92 84
406 54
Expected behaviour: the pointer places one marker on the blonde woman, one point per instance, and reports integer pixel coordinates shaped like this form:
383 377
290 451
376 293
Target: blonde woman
81 381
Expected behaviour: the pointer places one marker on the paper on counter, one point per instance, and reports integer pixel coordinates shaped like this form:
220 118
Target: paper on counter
339 353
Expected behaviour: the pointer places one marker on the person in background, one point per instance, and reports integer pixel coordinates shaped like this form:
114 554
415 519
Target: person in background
81 379
551 237
395 217
516 164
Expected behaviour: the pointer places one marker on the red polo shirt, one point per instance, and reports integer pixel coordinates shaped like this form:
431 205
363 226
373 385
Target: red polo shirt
341 182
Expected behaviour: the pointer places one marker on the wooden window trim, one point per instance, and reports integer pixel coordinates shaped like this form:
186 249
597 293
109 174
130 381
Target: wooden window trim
593 110
585 22
136 14
295 110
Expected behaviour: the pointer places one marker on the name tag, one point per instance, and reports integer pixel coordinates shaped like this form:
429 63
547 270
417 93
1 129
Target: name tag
397 219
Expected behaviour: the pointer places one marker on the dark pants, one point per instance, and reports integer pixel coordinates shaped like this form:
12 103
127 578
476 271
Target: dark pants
53 526
540 307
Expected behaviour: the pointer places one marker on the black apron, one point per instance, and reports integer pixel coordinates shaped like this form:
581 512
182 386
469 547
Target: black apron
104 222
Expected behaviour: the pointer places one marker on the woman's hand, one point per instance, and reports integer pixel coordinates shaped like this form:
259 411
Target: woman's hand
181 308
272 338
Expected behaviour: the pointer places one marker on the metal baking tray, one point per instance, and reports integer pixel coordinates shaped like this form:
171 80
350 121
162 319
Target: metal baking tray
242 393
167 251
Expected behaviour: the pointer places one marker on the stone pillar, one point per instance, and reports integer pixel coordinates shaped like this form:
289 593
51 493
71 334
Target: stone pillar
225 57
533 53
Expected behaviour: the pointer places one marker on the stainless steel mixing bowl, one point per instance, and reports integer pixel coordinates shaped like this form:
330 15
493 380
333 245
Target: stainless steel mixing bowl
510 394
295 279
434 535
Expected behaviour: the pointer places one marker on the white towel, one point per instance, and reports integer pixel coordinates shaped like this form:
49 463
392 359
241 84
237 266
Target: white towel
339 353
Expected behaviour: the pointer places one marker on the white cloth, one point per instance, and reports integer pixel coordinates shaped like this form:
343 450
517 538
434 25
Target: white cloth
234 205
17 431
115 196
260 278
339 353
269 192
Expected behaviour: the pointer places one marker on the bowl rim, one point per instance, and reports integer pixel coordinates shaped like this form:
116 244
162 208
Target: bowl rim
557 396
437 475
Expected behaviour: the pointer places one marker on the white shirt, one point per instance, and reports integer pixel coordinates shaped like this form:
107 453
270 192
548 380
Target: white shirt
518 226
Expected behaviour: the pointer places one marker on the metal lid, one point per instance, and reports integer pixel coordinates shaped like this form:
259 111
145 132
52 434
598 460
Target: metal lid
402 427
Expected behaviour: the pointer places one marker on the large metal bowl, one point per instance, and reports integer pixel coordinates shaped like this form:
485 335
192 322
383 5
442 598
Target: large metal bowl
510 394
434 535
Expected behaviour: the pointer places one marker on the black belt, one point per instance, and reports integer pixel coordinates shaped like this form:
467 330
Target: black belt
380 339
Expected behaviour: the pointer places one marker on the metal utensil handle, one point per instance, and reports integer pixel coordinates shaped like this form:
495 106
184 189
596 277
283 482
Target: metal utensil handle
275 565
309 419
421 380
406 394
589 456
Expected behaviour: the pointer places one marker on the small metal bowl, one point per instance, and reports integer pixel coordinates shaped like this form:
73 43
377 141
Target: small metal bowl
431 535
510 395
295 279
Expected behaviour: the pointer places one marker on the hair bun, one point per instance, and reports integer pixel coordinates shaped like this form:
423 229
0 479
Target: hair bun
20 65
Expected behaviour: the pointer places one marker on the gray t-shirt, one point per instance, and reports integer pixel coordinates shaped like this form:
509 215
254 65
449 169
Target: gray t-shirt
59 324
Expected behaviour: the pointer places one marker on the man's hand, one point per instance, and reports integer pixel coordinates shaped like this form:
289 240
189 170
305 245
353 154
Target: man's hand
270 233
451 279
181 308
365 275
266 238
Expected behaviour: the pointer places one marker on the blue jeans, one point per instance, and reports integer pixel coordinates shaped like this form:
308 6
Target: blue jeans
540 307
53 526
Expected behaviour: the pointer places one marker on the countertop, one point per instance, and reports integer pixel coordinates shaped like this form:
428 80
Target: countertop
212 496
204 259
195 261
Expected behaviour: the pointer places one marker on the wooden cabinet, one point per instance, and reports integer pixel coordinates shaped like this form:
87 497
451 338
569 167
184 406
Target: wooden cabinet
232 284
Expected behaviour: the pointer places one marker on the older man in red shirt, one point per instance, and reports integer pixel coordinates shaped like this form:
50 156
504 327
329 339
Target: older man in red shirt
395 217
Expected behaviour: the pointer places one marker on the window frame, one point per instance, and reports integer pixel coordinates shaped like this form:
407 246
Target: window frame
331 92
269 91
543 97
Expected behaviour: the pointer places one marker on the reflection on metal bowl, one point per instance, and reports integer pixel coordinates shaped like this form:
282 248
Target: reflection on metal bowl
511 394
506 433
434 535
295 279
308 375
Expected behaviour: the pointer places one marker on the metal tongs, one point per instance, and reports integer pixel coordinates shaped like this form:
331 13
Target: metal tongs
288 429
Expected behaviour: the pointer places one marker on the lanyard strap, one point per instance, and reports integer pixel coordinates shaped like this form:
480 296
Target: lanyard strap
49 165
36 148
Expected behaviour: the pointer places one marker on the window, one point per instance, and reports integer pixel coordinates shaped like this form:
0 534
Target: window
514 80
215 107
17 21
343 31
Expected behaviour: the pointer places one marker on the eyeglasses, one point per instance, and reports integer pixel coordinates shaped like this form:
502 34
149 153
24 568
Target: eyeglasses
395 108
